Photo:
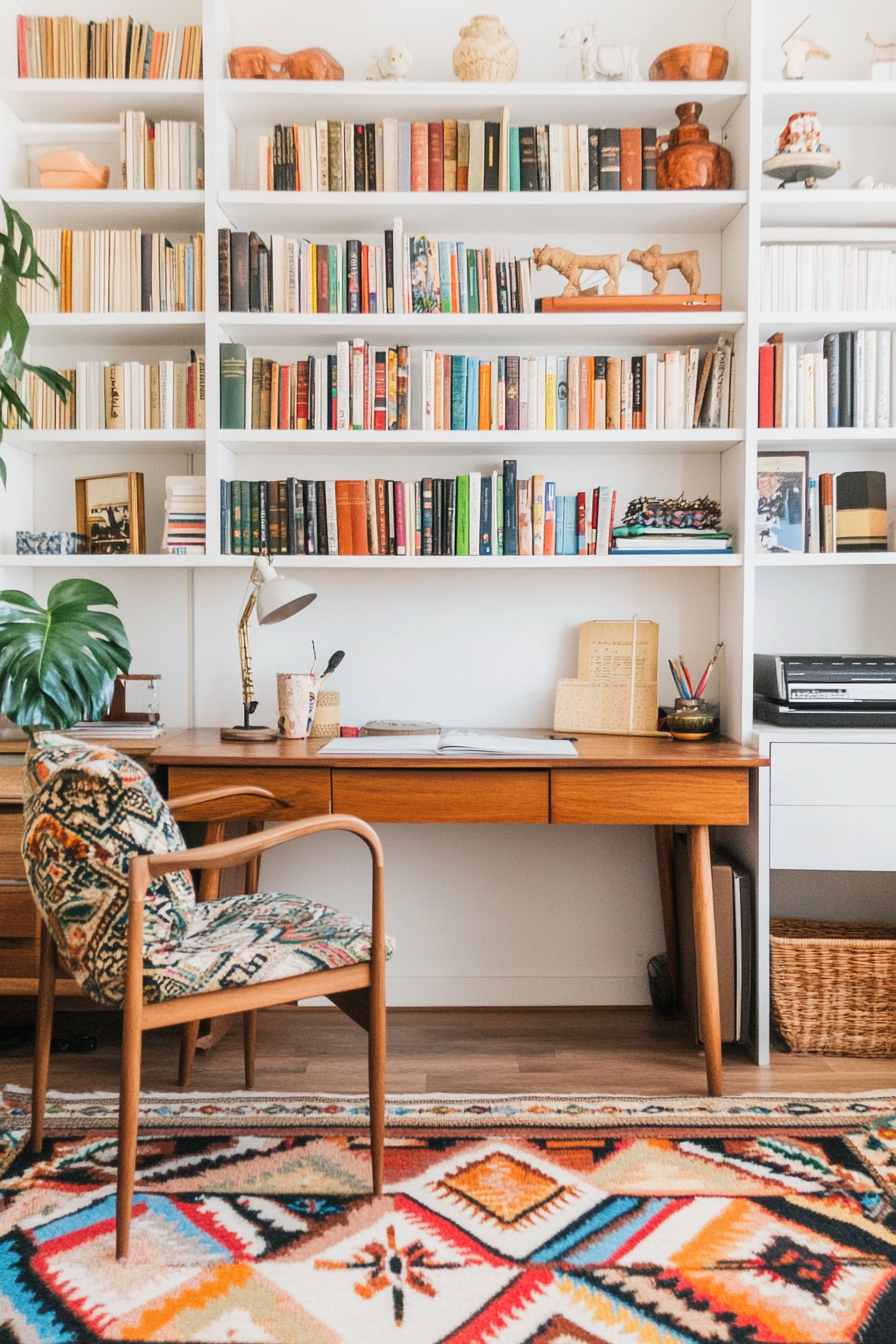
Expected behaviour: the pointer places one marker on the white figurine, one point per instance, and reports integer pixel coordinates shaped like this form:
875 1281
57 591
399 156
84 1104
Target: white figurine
799 50
393 63
600 61
867 183
883 62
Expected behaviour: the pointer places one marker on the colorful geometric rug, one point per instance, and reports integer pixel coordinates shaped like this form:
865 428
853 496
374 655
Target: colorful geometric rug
506 1220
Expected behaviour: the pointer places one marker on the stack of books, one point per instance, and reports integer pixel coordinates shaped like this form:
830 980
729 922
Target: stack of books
827 278
184 515
116 271
669 541
66 48
846 379
452 155
161 155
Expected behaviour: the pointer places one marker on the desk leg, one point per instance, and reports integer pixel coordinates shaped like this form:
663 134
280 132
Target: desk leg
665 840
707 966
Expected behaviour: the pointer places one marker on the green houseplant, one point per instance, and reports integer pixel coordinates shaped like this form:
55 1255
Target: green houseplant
19 261
58 663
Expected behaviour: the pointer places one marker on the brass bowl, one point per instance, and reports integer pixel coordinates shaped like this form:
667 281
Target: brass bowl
695 60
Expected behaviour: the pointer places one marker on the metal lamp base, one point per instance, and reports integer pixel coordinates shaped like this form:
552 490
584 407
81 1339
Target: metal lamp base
255 734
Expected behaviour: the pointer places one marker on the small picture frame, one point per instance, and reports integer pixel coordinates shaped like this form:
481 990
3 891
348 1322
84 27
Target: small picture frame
110 513
782 503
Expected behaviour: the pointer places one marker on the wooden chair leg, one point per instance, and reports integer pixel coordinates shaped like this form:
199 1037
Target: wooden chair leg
189 1034
700 865
665 840
46 994
128 1118
250 1031
376 1038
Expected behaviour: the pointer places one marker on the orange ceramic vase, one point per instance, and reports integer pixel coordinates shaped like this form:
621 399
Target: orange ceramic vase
686 160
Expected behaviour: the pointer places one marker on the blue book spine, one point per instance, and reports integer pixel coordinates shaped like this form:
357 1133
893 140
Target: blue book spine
562 391
462 276
570 542
472 415
485 517
458 391
559 524
514 157
225 517
189 303
404 156
445 276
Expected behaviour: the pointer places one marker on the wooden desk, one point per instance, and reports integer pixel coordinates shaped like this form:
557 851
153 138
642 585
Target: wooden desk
613 781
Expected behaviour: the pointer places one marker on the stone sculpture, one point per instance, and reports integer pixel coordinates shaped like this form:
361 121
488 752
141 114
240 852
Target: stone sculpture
600 60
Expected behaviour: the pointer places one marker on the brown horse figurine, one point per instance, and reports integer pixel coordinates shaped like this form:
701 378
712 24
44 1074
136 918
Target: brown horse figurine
658 264
571 264
263 63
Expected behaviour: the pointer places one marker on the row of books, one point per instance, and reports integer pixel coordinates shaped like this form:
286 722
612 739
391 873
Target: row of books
67 48
116 271
184 515
452 155
827 278
846 379
293 275
360 388
475 514
121 395
843 512
161 155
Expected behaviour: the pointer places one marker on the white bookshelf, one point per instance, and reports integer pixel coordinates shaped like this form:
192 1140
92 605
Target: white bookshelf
471 640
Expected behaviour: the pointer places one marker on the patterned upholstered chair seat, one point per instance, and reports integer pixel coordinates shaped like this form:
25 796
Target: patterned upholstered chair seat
87 810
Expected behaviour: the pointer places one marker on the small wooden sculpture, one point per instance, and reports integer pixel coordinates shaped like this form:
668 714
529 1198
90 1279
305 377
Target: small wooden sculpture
263 63
658 264
391 64
600 60
883 62
799 50
69 169
571 265
686 158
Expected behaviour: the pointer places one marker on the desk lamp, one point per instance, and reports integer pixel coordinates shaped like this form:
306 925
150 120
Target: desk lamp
275 598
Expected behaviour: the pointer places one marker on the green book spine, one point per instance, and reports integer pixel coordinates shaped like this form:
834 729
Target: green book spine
499 511
236 540
255 519
331 272
514 156
463 516
472 282
458 391
245 519
233 387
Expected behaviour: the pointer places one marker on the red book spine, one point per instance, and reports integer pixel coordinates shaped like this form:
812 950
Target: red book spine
766 387
580 523
366 411
419 156
285 390
592 535
365 278
379 393
191 396
323 280
401 542
22 36
302 394
381 527
436 176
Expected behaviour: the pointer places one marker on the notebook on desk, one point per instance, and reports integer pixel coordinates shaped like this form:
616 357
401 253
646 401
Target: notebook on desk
455 743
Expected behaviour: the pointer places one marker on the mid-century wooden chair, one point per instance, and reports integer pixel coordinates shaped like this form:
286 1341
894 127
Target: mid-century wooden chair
104 901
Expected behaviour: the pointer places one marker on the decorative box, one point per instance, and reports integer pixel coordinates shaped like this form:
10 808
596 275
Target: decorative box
48 543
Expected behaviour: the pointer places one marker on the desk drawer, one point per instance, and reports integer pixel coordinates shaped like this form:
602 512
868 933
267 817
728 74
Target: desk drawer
858 839
831 774
673 797
305 790
11 827
442 795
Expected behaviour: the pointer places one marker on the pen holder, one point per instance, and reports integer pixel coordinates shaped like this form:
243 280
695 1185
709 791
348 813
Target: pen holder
691 720
326 717
296 701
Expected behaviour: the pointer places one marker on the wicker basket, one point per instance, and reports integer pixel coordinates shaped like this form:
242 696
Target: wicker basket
834 986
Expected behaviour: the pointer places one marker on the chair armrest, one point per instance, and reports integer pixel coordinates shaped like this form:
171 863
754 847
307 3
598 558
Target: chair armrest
230 853
176 805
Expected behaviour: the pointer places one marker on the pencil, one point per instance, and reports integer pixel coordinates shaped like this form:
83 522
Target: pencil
706 675
687 676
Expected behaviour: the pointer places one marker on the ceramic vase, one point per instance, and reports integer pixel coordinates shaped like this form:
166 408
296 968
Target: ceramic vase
485 52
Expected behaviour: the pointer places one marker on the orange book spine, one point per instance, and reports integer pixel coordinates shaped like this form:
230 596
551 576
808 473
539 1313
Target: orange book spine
285 396
455 284
485 396
274 422
358 507
365 278
344 516
419 156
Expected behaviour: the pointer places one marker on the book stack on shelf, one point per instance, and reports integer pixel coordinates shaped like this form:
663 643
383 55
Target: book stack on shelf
845 380
66 48
108 394
671 527
116 271
478 513
827 278
161 155
184 515
452 155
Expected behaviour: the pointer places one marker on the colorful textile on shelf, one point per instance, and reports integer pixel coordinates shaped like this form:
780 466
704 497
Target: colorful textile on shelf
504 1221
649 512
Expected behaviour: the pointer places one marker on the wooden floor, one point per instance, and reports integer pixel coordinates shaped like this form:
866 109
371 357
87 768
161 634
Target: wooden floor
444 1050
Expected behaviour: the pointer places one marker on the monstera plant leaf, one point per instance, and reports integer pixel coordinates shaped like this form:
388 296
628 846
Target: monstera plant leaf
58 664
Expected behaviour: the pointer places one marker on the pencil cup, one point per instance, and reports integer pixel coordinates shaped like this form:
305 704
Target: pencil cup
690 720
326 717
296 700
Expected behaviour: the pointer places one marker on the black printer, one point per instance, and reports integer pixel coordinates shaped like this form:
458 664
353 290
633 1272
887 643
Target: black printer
828 691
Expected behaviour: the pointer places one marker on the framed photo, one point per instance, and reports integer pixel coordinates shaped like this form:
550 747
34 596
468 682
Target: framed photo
782 502
111 514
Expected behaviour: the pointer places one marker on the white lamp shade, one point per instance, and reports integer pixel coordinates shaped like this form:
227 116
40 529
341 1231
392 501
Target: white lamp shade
281 598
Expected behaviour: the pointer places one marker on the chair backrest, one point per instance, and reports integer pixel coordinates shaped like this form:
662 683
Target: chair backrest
87 810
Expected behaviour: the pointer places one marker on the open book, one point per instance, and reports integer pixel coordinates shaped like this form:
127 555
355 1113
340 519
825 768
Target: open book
453 743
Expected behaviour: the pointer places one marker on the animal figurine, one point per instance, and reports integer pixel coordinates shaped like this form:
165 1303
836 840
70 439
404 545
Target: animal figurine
263 63
599 60
799 50
658 264
883 62
393 64
571 265
70 169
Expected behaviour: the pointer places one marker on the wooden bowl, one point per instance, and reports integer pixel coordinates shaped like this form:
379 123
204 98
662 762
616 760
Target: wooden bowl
695 60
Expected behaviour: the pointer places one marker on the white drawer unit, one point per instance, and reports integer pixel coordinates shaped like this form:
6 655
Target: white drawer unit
833 774
856 839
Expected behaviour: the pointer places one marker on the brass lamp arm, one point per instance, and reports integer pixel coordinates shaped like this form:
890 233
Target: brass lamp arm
262 570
